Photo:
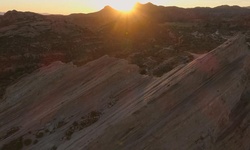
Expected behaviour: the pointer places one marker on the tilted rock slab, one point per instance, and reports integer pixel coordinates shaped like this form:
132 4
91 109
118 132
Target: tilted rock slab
108 105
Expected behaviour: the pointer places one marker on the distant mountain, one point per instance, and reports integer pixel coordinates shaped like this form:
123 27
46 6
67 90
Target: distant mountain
94 20
45 13
162 14
2 13
12 17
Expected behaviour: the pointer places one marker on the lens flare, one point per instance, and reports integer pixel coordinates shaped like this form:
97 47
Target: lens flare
125 6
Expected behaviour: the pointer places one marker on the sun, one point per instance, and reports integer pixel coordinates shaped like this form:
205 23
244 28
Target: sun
125 6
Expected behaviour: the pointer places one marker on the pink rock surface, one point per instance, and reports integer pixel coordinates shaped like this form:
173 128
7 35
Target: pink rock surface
107 104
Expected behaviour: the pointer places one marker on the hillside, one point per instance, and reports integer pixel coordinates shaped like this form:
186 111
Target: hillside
158 78
29 41
67 107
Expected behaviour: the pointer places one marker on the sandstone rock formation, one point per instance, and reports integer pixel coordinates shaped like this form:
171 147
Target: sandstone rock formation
107 104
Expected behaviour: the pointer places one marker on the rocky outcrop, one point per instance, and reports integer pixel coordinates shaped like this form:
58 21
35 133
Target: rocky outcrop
107 104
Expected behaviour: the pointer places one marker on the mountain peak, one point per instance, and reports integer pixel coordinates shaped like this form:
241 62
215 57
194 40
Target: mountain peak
108 8
149 3
11 12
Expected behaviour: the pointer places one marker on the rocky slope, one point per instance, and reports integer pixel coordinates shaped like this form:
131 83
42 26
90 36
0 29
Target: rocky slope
29 41
107 104
155 38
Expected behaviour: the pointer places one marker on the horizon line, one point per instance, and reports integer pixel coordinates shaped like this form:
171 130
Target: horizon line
46 13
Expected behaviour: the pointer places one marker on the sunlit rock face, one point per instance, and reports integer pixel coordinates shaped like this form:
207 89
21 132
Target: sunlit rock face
107 104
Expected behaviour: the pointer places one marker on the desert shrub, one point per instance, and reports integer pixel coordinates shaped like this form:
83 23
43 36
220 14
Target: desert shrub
35 141
27 142
54 148
16 144
61 124
10 132
39 134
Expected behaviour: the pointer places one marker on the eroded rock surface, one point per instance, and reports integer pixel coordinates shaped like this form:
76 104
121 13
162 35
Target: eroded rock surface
107 104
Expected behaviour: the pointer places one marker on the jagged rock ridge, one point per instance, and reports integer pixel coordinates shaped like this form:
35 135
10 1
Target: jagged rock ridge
107 104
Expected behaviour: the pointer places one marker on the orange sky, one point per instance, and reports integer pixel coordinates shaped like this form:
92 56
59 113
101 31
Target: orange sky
86 6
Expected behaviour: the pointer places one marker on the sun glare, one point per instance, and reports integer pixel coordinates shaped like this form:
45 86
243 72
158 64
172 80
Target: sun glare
125 6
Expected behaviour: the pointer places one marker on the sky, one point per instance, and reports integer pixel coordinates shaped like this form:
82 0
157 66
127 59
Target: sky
87 6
